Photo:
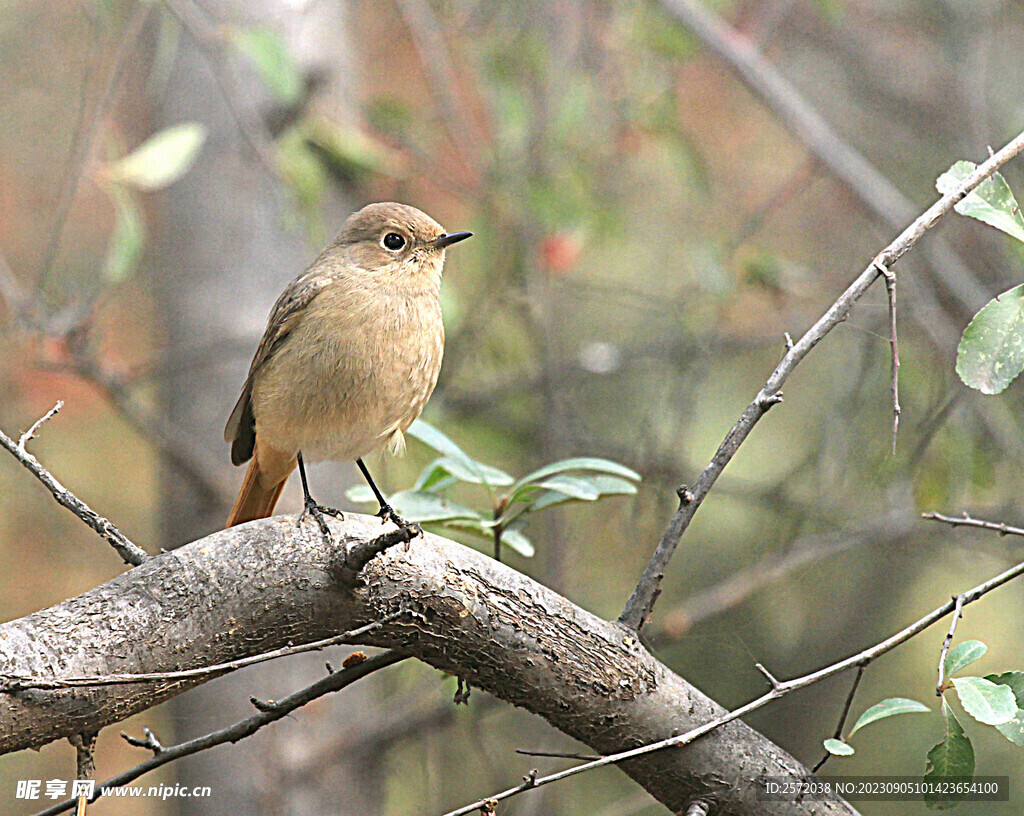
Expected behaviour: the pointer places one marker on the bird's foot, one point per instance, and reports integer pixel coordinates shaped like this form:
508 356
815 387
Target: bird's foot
387 513
318 511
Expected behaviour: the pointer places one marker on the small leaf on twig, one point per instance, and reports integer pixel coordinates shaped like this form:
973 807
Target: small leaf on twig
991 201
953 757
991 351
888 708
162 159
837 747
269 53
989 703
963 654
1012 729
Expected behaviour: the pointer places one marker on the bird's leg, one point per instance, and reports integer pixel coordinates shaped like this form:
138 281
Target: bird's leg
317 511
386 512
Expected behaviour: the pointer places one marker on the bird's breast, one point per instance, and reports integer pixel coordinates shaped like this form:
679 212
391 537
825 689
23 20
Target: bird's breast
357 369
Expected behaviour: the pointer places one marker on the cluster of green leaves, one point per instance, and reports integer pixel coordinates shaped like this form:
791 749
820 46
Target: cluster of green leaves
157 163
991 352
511 500
995 699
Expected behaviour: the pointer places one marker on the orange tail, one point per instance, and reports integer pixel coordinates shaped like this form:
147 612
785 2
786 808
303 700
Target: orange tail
254 500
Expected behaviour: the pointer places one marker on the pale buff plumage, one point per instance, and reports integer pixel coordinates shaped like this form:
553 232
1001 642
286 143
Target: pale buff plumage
349 358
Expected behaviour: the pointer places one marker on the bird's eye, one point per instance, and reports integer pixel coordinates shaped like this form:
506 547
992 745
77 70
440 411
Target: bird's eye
393 241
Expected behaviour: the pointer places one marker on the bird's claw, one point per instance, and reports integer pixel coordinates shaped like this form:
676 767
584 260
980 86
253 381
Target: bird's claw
387 513
318 511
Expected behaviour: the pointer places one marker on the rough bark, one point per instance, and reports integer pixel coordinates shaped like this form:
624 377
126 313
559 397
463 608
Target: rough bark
265 584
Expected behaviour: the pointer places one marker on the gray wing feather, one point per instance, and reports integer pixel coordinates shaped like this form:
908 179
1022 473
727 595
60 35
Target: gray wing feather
240 430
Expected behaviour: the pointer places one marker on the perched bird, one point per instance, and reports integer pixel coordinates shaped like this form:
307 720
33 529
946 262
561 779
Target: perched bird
350 355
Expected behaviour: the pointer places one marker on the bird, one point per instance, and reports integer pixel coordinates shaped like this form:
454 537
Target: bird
350 355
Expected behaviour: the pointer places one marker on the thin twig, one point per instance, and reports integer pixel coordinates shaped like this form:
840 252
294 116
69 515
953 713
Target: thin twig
86 135
890 289
243 728
947 642
842 717
967 521
862 658
12 682
641 602
210 44
556 754
131 553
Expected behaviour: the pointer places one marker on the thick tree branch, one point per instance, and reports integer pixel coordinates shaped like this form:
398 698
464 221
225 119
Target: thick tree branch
641 602
259 586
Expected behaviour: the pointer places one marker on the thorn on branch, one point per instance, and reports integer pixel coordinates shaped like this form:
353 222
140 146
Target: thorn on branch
789 341
30 434
766 401
264 706
685 495
770 677
530 780
150 742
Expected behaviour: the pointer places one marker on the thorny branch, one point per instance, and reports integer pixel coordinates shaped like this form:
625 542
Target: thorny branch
641 602
131 553
966 521
267 713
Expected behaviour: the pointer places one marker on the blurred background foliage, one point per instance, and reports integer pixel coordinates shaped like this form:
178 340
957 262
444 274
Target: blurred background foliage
646 231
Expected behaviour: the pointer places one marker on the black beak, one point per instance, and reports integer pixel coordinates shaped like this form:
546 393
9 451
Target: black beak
448 238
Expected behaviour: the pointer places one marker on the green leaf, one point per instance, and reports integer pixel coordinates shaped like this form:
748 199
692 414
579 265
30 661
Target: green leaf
474 472
953 757
888 708
988 702
162 159
605 486
1012 729
518 542
991 351
434 478
1014 680
433 438
575 487
128 237
273 61
991 201
350 152
963 654
578 463
837 747
415 505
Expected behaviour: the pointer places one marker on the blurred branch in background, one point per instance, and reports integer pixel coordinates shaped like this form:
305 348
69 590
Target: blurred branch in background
874 190
641 602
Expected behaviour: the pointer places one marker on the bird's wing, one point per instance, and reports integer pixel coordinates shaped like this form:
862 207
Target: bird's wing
240 430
